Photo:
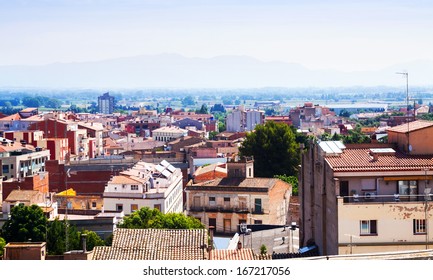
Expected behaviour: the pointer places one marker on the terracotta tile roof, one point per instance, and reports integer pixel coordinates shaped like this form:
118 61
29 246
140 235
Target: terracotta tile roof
239 255
124 180
241 182
155 244
28 110
21 195
412 126
16 147
215 167
14 117
362 160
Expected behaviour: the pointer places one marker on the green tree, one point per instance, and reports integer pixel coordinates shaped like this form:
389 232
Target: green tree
263 249
270 111
188 101
218 108
56 237
2 245
274 148
345 113
153 218
227 100
212 135
31 102
203 110
53 103
355 136
26 223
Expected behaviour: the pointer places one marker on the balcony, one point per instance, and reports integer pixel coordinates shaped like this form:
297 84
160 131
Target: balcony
224 209
373 197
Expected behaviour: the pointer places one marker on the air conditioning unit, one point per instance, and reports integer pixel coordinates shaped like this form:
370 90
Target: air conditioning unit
370 195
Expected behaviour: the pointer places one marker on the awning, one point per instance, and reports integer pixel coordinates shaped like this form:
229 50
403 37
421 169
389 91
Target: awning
408 178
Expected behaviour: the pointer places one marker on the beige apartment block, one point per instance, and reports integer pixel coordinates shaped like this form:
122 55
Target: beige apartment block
367 198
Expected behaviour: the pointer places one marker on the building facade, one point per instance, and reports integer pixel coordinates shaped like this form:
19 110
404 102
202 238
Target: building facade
106 104
367 198
240 198
240 120
145 185
168 133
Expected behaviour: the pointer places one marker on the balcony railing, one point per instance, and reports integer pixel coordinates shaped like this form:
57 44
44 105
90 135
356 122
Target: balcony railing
225 209
395 198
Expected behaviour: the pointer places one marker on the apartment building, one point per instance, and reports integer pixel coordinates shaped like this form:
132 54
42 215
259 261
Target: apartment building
368 198
106 103
145 185
168 133
21 160
240 120
239 198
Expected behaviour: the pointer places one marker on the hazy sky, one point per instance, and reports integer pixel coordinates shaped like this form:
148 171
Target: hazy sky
342 35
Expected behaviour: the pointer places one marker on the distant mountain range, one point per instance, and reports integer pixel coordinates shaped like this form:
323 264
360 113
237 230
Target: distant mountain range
173 70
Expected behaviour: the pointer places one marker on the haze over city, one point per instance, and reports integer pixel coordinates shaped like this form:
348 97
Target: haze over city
214 43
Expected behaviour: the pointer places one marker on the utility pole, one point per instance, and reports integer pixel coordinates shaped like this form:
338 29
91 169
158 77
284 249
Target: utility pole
406 74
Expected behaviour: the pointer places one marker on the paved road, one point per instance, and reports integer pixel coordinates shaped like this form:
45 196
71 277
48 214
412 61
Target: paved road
276 240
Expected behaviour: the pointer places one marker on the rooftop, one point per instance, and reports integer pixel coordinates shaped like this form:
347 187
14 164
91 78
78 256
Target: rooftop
240 182
170 129
21 195
362 160
411 126
125 180
155 244
215 167
241 254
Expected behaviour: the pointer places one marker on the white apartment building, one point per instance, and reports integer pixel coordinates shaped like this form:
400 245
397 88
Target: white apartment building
168 133
145 185
18 161
240 120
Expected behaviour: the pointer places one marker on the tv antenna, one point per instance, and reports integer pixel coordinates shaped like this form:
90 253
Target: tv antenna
406 75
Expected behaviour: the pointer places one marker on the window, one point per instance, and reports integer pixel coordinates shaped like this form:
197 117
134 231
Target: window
227 201
257 222
134 207
242 221
157 206
419 226
258 205
368 227
212 222
227 225
196 201
242 203
93 204
119 207
211 200
5 169
134 187
408 188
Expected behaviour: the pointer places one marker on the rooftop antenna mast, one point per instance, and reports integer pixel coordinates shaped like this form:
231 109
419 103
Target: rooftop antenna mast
406 74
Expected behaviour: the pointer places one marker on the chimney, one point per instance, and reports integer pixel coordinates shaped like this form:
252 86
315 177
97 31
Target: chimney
374 155
84 242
